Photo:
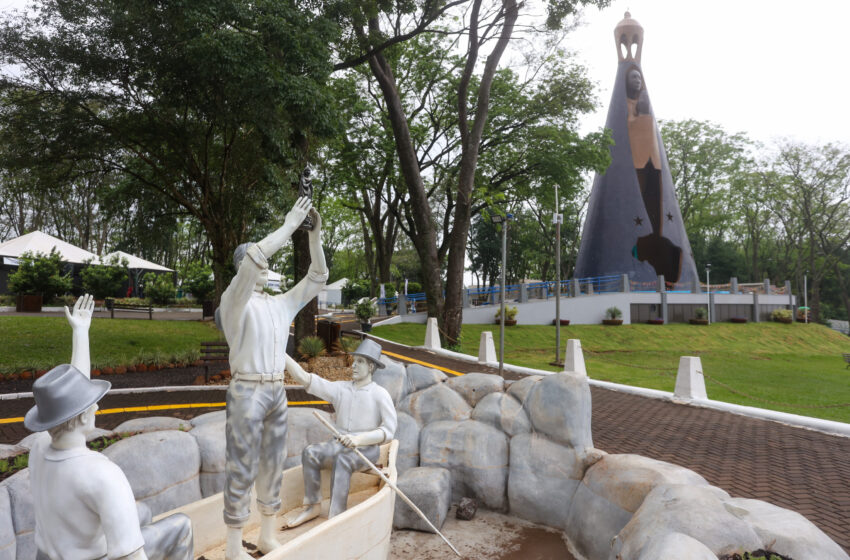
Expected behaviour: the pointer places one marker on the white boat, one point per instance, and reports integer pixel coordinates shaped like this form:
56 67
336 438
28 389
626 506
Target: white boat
361 532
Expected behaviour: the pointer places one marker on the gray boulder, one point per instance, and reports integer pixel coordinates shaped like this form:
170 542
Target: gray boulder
407 435
7 528
475 386
504 412
785 531
7 451
153 424
217 416
543 478
559 407
592 522
23 514
520 389
211 444
696 511
675 545
475 453
393 378
430 488
162 468
421 377
28 441
435 403
626 479
303 429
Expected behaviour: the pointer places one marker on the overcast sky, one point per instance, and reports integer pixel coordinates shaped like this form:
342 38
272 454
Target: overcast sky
770 69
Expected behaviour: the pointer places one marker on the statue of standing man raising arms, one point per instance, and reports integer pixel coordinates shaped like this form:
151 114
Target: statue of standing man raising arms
256 326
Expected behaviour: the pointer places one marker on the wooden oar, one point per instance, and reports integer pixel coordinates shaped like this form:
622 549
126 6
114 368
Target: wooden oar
407 500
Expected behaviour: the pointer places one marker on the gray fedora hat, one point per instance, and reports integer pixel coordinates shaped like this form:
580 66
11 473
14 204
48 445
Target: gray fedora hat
60 394
370 350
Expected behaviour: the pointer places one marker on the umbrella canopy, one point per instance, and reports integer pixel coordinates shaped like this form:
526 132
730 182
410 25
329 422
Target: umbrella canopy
39 242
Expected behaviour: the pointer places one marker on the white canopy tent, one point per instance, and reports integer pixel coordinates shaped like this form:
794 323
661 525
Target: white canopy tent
332 294
39 242
135 262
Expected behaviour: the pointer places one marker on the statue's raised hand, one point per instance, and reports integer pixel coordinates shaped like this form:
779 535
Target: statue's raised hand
299 211
80 317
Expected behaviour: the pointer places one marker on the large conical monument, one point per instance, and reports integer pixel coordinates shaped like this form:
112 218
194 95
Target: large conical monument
634 225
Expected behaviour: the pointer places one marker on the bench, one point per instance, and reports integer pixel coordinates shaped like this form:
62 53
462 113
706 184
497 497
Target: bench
131 307
847 359
213 352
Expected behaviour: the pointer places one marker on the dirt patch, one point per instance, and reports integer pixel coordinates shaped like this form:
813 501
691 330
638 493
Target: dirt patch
489 536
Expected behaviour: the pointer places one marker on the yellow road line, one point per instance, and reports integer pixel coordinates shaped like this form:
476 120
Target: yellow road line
162 407
406 359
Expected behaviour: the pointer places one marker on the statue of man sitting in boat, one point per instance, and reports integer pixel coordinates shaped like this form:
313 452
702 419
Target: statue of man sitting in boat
365 418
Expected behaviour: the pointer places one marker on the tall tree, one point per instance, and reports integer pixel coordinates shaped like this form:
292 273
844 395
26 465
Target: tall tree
207 105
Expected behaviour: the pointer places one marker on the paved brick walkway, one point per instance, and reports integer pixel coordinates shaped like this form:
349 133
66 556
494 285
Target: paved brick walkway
799 469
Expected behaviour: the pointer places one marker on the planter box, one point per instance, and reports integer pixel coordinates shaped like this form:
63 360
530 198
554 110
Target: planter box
564 322
698 321
738 320
655 322
508 322
786 320
28 303
612 321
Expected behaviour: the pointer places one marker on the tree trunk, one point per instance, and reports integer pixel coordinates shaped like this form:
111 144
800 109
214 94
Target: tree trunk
305 321
842 288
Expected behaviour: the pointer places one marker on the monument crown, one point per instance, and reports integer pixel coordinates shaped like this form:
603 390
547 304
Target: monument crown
628 36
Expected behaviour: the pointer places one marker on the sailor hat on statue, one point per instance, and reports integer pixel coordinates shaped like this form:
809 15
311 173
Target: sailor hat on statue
370 350
60 394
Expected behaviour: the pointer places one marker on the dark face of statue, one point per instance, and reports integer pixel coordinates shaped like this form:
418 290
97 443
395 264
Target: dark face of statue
633 83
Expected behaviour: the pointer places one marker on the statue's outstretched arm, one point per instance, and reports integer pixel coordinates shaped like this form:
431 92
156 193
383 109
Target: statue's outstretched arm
80 321
272 243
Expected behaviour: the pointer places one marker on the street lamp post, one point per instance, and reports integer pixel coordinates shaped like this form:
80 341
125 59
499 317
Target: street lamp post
499 219
559 218
708 288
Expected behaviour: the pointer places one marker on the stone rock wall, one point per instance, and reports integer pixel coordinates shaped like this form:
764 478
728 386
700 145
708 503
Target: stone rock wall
524 447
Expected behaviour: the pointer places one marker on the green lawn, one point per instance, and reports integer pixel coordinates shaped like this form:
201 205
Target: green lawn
792 366
43 342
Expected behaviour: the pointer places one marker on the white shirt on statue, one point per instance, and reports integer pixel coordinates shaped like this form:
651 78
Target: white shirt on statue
357 410
84 506
256 324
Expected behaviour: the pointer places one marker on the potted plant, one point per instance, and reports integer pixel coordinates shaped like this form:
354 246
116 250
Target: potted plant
37 280
781 316
364 310
510 316
613 316
700 316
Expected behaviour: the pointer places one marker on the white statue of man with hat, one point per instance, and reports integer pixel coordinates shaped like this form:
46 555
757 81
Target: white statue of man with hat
84 506
365 416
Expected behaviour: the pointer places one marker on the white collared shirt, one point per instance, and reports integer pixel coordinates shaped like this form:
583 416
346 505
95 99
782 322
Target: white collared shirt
357 410
256 324
84 506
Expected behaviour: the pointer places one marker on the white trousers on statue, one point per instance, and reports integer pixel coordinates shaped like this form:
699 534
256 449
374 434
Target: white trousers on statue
255 451
342 461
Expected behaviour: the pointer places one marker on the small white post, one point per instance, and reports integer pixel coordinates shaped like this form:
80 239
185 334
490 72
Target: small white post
487 348
690 383
432 334
574 361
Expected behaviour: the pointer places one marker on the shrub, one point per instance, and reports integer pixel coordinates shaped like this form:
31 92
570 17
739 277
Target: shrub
413 288
197 279
40 274
701 313
510 313
104 280
364 310
348 343
355 290
613 313
159 289
311 346
780 315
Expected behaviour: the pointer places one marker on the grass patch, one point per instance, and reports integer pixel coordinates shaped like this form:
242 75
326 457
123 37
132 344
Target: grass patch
791 368
33 343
